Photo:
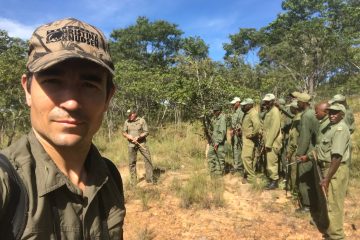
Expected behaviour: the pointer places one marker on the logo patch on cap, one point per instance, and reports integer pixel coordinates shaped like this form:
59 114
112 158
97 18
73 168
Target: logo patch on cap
73 34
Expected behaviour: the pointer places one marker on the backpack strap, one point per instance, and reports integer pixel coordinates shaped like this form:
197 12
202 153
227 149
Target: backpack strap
13 222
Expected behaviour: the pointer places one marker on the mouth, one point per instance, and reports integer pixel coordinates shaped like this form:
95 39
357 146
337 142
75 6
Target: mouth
69 122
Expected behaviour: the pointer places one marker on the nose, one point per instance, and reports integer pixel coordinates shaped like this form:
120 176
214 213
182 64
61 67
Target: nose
71 99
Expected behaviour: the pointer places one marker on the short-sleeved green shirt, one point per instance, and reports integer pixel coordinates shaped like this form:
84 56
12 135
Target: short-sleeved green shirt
136 128
236 119
335 140
251 125
219 129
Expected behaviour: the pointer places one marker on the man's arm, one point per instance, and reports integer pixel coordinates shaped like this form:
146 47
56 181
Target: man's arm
334 165
274 130
304 137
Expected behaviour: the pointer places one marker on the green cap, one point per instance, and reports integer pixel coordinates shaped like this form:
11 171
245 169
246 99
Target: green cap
337 107
217 107
281 101
269 97
337 98
235 100
303 97
247 101
295 94
293 104
64 39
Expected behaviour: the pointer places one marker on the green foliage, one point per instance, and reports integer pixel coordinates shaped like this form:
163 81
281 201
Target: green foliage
13 110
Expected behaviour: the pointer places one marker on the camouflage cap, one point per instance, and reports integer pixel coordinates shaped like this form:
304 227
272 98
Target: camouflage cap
269 97
64 39
337 98
247 101
303 97
337 107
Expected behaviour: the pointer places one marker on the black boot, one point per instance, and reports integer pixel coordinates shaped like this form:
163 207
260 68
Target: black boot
272 185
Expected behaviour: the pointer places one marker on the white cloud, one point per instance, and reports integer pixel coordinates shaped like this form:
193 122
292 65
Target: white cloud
16 29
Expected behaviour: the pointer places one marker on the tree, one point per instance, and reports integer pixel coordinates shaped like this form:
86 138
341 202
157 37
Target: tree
149 43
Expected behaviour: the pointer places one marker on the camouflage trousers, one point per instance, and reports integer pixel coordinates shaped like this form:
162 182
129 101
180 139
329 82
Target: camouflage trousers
336 198
147 159
236 143
216 160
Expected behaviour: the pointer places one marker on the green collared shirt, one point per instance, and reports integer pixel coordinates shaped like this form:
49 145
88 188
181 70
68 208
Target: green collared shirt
272 128
251 125
136 128
219 129
236 119
335 140
79 213
309 127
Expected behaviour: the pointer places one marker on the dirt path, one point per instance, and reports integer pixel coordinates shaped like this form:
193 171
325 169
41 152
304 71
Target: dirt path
248 214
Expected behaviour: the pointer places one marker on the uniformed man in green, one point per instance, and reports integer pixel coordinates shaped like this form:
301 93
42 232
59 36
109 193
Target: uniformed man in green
286 120
136 130
251 128
216 152
309 127
349 115
292 145
235 134
73 192
333 153
272 139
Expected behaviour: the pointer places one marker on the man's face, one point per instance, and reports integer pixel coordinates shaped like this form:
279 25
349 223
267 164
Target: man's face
301 105
335 116
267 105
132 116
246 108
321 111
216 112
236 105
67 102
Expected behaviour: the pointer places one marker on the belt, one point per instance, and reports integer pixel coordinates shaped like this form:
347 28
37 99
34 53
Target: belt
324 164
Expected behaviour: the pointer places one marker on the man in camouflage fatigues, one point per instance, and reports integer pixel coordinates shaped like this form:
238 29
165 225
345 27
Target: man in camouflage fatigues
135 130
309 127
216 152
272 139
333 152
251 127
235 134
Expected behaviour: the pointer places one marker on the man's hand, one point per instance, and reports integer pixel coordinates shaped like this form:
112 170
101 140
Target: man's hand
303 158
216 146
232 132
324 183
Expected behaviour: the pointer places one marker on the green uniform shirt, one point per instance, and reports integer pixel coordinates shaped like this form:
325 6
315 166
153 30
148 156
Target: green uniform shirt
136 128
48 188
236 119
309 127
335 140
322 128
294 134
251 124
219 129
272 128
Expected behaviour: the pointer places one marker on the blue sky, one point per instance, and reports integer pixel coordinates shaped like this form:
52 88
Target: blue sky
211 20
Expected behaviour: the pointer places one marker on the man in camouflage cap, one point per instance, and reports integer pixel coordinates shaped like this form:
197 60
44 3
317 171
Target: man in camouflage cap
333 152
273 139
74 193
216 152
235 134
251 127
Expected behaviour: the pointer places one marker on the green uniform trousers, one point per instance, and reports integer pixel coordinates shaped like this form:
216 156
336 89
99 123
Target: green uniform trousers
216 160
336 199
147 159
305 182
272 163
237 149
247 155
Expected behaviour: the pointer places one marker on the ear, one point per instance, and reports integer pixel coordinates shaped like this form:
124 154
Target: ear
24 81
